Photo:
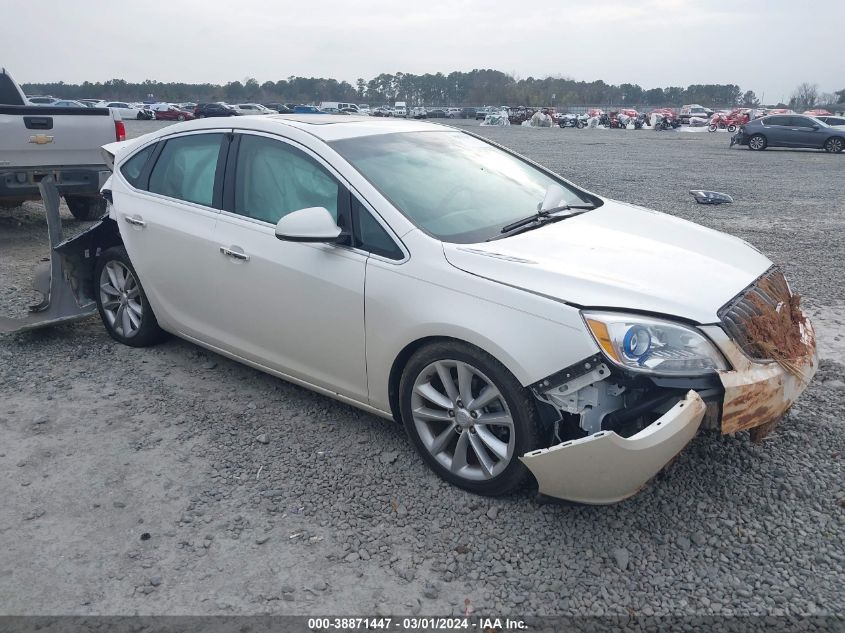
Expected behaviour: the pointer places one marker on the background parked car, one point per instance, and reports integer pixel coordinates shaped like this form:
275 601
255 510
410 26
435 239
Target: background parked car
382 111
281 108
213 109
68 103
168 112
41 100
436 113
252 108
126 110
790 130
834 121
454 113
308 109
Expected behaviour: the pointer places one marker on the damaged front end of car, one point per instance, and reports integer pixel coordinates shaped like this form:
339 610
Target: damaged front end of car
619 417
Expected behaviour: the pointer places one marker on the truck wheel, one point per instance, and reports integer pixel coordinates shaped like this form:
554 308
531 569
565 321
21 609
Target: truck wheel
757 142
122 303
86 207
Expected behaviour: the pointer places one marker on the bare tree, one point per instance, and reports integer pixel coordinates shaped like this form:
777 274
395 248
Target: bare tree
805 97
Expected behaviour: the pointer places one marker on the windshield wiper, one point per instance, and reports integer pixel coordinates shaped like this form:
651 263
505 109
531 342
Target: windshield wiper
546 216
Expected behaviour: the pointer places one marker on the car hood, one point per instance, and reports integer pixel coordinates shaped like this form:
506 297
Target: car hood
621 256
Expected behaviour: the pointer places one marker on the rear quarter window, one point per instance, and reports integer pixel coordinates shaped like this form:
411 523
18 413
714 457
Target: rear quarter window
134 167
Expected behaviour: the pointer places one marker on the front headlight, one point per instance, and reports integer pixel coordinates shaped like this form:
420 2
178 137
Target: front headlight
653 345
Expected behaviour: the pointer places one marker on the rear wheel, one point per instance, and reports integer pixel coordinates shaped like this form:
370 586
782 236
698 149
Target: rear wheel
181 117
121 301
731 128
468 417
757 142
712 128
833 145
86 207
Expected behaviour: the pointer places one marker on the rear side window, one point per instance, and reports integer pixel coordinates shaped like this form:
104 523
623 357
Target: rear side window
777 120
186 167
273 179
134 167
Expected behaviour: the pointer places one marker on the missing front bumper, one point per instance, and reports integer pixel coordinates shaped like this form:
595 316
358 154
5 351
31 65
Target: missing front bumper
605 467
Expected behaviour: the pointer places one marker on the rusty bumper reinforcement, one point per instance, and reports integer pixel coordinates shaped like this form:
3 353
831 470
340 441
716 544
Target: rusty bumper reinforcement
758 394
605 467
61 301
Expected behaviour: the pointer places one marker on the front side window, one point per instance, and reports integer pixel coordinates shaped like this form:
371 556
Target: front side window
186 167
273 179
452 185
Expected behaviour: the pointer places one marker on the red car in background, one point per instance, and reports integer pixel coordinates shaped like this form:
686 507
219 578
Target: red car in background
171 113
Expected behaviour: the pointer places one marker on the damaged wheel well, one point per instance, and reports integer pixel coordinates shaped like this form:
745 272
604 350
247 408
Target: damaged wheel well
79 255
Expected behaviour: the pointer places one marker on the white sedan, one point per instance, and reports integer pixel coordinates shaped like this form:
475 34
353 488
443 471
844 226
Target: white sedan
520 327
126 110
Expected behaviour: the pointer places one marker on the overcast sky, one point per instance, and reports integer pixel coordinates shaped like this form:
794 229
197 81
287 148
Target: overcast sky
768 47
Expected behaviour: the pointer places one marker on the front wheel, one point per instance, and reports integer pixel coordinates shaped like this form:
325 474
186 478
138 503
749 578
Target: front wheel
468 417
712 128
757 142
86 207
833 145
122 303
181 117
731 128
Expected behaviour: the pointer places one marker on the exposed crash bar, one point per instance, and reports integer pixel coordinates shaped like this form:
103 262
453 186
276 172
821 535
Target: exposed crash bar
605 467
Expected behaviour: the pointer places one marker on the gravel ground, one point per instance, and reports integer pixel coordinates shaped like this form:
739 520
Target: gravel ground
171 480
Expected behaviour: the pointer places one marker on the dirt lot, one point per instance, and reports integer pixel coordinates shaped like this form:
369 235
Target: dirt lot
171 480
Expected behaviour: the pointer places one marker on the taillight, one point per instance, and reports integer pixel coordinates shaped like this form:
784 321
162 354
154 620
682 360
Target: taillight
119 131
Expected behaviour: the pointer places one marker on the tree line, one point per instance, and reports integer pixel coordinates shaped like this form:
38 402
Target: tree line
476 87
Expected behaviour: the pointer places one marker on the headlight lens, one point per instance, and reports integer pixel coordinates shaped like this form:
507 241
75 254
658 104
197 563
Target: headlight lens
653 345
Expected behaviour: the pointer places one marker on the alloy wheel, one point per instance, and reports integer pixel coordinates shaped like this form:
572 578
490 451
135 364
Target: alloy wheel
834 145
757 142
120 296
463 420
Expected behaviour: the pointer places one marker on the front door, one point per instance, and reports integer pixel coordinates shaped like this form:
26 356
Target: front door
297 308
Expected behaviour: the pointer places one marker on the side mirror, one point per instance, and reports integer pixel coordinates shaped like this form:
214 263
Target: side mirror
816 126
314 224
710 197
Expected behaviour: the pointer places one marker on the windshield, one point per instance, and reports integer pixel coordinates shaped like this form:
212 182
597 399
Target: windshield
452 185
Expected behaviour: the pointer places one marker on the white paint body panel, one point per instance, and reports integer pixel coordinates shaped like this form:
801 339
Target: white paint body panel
605 467
622 256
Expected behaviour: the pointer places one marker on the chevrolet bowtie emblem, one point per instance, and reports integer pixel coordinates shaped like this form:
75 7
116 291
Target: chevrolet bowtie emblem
40 139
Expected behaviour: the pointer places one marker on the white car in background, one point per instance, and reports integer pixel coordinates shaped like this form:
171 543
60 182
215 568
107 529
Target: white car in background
516 323
126 110
364 108
252 108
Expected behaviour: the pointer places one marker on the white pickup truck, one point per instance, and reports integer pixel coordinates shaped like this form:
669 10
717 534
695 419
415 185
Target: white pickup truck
37 141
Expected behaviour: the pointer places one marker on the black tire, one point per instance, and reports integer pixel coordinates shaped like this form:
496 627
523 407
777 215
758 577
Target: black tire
834 144
140 116
526 430
148 332
86 208
757 142
731 128
712 127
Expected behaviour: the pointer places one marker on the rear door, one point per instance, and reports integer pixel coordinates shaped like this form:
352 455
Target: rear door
778 132
166 212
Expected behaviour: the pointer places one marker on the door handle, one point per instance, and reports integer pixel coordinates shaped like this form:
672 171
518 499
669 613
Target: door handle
134 221
228 252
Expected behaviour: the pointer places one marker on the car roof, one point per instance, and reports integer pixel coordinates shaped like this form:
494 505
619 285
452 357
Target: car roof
326 127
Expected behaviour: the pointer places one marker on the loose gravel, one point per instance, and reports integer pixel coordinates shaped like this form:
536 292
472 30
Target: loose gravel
172 480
